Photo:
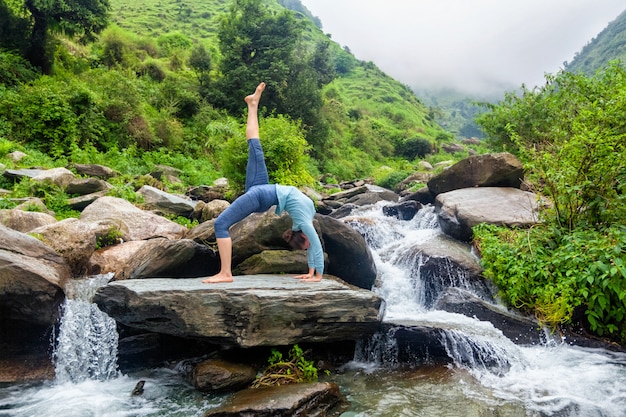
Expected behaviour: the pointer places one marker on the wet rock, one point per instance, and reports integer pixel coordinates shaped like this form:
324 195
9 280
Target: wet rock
219 375
315 399
138 390
405 210
259 310
520 329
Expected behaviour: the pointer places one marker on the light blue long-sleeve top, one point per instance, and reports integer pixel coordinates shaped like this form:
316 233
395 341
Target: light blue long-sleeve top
301 210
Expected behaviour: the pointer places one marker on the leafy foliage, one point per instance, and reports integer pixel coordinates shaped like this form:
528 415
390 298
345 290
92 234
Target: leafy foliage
291 370
551 273
15 70
81 18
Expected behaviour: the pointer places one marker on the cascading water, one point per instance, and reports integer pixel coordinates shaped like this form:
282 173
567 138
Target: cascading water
505 379
87 341
87 380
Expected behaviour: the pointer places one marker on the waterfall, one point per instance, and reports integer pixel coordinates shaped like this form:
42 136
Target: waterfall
410 295
87 341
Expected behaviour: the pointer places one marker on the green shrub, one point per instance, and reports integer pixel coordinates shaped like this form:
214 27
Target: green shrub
391 180
285 154
415 147
15 70
550 273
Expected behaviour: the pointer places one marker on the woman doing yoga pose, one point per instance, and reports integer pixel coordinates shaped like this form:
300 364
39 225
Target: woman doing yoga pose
259 196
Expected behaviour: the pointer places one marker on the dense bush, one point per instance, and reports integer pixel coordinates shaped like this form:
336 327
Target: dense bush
550 273
415 147
15 70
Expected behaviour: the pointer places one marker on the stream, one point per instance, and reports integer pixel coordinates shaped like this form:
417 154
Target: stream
488 374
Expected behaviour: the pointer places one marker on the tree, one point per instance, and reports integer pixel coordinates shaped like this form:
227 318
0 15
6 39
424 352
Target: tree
81 18
200 62
256 45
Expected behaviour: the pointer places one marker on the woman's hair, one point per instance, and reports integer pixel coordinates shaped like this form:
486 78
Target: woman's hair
295 238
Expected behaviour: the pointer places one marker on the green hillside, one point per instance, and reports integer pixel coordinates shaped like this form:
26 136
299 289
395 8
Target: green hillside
162 82
609 45
371 114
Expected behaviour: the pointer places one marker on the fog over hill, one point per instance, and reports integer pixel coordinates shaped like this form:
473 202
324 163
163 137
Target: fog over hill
480 47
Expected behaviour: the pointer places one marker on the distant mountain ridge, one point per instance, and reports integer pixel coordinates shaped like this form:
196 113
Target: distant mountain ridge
609 45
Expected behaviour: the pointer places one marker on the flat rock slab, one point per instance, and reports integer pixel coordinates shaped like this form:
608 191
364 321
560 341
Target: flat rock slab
312 399
254 310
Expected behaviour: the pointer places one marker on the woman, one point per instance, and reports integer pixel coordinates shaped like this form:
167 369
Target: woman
259 196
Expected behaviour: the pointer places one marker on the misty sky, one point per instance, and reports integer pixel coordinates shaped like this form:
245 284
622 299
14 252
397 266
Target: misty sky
477 46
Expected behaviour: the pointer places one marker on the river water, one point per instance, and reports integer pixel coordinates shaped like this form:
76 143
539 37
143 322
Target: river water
497 378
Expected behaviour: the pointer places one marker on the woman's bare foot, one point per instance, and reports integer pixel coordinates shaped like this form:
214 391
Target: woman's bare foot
254 98
221 277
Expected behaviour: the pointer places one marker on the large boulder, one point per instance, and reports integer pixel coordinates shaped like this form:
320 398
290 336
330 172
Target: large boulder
489 170
460 210
166 202
58 176
259 232
113 259
259 310
215 375
94 170
73 239
32 277
159 258
132 222
84 186
520 329
25 221
349 257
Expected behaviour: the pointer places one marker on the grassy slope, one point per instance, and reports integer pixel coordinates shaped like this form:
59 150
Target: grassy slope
389 104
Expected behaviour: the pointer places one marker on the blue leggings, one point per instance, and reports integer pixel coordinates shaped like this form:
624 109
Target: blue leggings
259 195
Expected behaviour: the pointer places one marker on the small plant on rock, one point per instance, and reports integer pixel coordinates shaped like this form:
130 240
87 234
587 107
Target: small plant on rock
292 370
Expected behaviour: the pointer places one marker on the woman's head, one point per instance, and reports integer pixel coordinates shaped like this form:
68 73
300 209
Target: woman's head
296 239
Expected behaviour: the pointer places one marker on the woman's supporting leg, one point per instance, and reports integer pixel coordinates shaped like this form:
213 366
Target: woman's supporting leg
225 248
